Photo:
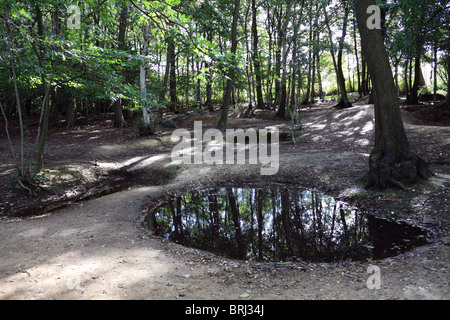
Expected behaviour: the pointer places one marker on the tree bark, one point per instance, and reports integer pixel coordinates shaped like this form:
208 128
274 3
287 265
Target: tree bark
248 68
344 103
413 97
319 79
70 115
278 54
447 100
281 113
162 94
143 77
172 76
357 58
222 124
364 77
119 121
256 58
199 83
310 64
16 90
295 63
209 80
45 112
434 74
391 160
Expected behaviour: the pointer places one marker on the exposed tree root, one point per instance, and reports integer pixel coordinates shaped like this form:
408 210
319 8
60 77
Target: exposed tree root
29 185
342 105
396 171
25 187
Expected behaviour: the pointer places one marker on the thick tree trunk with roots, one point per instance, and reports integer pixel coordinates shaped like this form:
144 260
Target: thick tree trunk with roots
391 161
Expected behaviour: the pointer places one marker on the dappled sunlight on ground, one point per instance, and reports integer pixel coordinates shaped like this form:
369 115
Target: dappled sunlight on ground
135 162
353 127
77 275
88 257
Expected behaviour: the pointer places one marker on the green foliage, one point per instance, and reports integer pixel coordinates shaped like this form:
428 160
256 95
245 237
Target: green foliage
85 65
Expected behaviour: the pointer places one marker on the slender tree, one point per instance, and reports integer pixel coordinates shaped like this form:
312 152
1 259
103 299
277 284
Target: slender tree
143 76
119 120
344 103
222 124
281 113
256 57
173 106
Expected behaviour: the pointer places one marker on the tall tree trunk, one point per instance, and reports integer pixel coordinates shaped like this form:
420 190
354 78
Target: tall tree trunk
391 159
16 90
162 94
70 115
119 121
357 58
314 58
310 51
173 76
199 83
222 124
406 78
413 95
344 103
278 55
434 74
447 63
319 78
143 77
209 104
364 77
256 58
45 113
396 63
270 31
248 68
295 63
281 113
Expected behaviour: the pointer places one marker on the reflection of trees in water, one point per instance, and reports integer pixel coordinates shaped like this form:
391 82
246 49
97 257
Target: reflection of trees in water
273 224
264 224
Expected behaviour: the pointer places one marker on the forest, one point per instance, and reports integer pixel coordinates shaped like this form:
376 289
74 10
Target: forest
61 60
91 91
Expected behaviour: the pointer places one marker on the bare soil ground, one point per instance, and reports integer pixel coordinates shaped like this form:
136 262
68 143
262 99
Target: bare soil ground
91 244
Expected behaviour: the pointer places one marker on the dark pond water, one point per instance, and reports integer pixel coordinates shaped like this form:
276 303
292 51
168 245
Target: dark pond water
279 224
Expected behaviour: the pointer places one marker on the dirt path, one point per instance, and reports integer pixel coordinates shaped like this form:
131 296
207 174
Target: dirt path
97 249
